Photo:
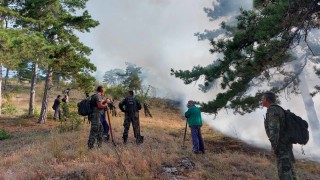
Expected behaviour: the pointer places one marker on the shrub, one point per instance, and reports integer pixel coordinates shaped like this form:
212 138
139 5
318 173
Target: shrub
9 109
72 123
4 134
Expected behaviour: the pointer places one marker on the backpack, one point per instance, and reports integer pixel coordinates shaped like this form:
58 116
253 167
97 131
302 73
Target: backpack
85 107
296 129
131 105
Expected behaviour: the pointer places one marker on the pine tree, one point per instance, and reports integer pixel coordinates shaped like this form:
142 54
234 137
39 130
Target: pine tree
57 21
258 46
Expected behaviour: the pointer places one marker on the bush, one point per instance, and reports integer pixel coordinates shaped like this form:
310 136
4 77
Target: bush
4 134
117 92
72 123
9 109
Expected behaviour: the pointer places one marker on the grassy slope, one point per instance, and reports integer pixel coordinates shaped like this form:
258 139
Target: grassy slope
40 151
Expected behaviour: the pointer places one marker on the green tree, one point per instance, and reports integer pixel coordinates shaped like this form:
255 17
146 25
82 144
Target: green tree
261 41
8 38
57 21
254 51
113 77
132 79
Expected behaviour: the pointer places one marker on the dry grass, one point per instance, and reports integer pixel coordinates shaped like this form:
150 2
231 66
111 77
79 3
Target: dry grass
39 151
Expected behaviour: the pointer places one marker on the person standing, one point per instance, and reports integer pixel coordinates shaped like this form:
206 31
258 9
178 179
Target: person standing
146 110
280 147
56 108
104 123
65 108
194 119
130 106
98 106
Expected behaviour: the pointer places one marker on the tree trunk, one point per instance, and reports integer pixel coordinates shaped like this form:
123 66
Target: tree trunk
0 87
48 86
6 79
32 90
310 110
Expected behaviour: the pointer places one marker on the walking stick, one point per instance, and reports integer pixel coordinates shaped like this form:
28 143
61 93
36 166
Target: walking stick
108 115
184 137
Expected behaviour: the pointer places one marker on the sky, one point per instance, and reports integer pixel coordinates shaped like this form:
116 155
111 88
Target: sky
158 35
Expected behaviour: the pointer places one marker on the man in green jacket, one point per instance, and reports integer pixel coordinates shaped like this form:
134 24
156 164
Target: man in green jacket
193 116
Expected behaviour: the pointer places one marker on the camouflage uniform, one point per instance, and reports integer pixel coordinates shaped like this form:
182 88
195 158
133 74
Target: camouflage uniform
146 110
274 125
130 117
96 126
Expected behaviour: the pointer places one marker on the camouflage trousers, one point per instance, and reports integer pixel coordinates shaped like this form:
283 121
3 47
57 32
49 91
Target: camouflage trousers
95 131
126 124
285 160
147 112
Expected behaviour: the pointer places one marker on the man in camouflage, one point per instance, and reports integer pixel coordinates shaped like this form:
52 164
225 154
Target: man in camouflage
130 106
274 125
98 106
146 110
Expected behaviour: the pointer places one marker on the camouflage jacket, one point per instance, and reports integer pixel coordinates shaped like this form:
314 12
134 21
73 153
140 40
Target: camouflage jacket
274 123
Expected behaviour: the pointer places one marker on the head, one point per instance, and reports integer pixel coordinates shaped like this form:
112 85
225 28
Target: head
268 98
190 103
59 96
130 93
100 90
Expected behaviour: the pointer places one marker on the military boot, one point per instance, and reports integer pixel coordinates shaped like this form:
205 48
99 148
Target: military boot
125 140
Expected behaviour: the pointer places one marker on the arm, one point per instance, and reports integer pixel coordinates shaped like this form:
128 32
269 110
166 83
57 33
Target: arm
188 113
121 104
273 127
138 105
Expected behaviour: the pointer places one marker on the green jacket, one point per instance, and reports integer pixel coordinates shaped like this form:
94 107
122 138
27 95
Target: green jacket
194 116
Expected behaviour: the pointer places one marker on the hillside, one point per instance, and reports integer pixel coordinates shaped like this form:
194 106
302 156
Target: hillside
51 151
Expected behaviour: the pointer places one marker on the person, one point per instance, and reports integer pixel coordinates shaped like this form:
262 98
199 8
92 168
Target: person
104 123
65 108
130 106
146 110
98 105
193 115
87 94
111 106
280 146
56 108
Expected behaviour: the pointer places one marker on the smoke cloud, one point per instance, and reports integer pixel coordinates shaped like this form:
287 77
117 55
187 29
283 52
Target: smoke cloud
158 35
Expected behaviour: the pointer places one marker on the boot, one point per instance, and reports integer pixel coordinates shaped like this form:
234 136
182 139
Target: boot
124 140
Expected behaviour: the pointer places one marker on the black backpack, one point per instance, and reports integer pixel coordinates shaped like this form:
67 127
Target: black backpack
85 107
296 129
131 105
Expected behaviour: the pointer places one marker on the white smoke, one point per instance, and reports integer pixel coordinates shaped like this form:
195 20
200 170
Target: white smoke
159 35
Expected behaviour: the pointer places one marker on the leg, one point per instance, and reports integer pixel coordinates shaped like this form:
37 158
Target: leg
135 125
55 114
94 130
201 143
285 163
126 125
59 112
105 126
149 113
99 134
195 140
